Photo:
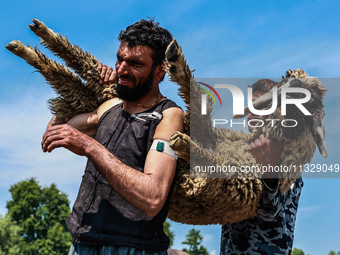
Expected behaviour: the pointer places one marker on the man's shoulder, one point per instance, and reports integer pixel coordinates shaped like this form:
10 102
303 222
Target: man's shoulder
168 104
173 113
172 121
104 107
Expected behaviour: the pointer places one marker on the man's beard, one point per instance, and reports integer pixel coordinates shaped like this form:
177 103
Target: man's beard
137 91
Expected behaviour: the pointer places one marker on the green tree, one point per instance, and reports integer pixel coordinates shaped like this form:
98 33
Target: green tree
168 232
194 240
334 253
40 212
9 236
297 251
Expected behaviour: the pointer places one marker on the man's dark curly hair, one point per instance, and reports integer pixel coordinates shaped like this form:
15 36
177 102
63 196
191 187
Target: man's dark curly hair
147 33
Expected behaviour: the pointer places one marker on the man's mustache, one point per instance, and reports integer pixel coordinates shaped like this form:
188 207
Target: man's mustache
126 77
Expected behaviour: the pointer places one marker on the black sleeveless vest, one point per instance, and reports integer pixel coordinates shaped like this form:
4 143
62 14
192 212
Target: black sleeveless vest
100 216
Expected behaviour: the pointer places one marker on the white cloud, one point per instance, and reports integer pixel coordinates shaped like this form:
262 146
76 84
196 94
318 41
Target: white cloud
306 212
207 238
213 252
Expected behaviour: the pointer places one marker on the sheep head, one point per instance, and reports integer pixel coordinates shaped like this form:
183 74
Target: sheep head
313 120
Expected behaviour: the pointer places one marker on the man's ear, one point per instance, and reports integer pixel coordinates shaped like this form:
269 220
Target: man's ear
160 71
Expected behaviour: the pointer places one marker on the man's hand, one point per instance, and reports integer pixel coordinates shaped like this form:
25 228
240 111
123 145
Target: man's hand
107 75
67 137
265 151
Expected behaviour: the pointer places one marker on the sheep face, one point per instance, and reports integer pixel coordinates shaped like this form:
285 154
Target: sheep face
293 114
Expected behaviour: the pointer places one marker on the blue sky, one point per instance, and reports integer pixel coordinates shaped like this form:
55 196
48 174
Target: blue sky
220 39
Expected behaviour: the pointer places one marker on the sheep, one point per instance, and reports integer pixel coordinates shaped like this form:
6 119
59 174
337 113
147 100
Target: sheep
235 197
75 96
194 200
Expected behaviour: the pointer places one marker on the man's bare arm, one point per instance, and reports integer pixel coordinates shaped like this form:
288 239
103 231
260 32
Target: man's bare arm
86 122
147 191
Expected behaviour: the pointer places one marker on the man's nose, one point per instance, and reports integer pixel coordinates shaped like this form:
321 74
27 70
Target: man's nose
122 68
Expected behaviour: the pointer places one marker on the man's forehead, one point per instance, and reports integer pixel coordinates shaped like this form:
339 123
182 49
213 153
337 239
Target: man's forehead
138 50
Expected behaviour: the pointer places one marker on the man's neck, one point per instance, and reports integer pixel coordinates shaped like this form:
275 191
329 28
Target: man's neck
149 100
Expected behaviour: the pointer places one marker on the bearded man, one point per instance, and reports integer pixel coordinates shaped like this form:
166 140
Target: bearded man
123 198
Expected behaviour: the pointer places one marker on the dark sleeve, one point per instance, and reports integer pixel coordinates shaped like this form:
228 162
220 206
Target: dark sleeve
271 202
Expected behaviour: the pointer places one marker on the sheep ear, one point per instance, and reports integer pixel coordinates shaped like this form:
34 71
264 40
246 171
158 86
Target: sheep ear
318 132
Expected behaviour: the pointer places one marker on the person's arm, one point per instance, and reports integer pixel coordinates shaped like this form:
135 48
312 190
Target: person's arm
267 152
55 121
148 190
86 122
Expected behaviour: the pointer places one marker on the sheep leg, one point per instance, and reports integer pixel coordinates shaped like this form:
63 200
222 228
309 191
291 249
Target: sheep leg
189 90
83 63
178 69
181 144
61 80
184 146
26 53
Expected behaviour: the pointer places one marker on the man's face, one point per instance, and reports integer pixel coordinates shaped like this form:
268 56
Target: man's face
251 116
134 71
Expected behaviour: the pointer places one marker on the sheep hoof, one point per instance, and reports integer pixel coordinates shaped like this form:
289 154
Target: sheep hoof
179 142
11 46
176 140
171 53
14 46
38 27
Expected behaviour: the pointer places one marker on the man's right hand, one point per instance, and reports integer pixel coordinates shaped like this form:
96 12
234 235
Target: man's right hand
107 75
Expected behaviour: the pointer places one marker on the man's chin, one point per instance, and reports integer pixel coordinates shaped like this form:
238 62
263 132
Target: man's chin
126 93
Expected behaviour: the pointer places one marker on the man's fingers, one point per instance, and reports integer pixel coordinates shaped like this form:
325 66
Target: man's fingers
51 133
49 140
263 139
54 144
252 146
100 66
102 74
257 143
112 78
108 74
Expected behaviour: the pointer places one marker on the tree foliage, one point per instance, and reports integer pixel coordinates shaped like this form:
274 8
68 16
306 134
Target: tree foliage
40 213
334 253
9 236
168 232
194 240
297 251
